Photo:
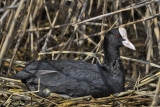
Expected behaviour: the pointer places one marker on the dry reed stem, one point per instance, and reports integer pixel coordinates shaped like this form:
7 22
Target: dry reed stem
127 24
21 35
70 40
5 14
157 94
9 36
71 24
118 11
50 32
94 54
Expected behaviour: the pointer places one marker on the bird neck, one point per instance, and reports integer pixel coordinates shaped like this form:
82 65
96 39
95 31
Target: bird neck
111 54
112 61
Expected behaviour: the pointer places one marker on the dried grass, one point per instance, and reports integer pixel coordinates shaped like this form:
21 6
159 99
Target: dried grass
74 29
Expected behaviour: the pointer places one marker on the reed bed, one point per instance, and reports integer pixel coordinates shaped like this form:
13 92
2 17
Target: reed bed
74 29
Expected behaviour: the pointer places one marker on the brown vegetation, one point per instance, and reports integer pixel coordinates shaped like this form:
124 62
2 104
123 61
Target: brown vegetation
74 29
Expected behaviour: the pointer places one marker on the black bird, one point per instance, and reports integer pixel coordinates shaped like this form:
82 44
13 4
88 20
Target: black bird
78 78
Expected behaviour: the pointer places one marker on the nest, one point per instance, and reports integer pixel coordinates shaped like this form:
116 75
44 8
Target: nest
14 93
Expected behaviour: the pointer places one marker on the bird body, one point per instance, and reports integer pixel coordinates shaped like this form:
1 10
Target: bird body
78 78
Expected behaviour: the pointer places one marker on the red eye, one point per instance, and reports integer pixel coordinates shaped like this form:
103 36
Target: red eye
117 36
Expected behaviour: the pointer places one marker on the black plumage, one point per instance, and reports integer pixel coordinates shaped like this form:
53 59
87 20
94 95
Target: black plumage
79 78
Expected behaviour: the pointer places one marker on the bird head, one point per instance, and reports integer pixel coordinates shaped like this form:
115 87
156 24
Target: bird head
117 37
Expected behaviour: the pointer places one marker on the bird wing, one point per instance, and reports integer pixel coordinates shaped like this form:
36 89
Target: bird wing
43 72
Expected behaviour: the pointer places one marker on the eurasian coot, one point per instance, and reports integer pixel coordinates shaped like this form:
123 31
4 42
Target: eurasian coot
78 78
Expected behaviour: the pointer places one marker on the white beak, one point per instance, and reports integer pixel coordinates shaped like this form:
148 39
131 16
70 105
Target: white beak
126 42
